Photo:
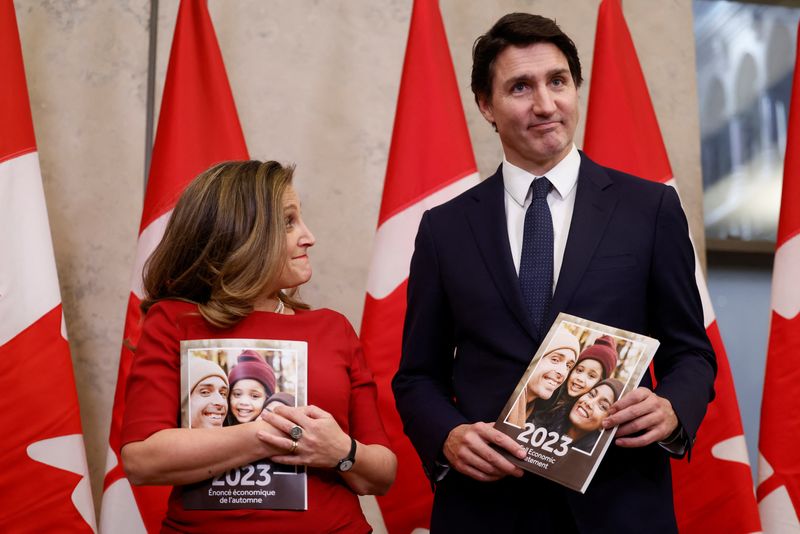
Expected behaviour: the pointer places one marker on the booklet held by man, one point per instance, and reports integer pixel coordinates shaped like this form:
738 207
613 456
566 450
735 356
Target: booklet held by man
227 382
557 409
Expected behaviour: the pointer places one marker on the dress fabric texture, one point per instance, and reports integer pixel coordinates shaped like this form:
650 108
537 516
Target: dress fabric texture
339 382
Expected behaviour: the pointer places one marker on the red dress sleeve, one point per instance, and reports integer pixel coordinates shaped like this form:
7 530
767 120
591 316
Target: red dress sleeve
364 416
152 397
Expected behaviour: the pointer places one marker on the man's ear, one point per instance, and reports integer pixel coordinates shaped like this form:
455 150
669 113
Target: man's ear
485 108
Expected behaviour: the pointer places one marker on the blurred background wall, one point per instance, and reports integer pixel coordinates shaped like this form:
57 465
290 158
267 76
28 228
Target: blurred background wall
316 84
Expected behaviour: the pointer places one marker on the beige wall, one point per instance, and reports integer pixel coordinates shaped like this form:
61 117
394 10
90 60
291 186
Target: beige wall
315 83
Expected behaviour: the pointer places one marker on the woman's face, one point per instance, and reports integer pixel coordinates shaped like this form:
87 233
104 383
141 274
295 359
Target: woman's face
297 269
591 409
209 402
583 377
247 399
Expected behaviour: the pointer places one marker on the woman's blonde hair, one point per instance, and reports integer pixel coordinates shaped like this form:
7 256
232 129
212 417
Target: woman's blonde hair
225 242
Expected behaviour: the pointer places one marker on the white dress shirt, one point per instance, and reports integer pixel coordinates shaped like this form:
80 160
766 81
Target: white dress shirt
561 199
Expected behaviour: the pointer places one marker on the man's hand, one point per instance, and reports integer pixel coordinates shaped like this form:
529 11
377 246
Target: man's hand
468 451
641 410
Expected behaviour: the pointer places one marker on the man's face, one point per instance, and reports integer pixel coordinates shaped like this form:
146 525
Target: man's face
534 105
550 373
209 402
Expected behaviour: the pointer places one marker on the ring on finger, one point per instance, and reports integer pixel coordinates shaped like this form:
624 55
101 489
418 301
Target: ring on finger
296 432
294 447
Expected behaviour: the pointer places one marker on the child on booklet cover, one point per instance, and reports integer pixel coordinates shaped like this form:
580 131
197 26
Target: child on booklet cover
252 383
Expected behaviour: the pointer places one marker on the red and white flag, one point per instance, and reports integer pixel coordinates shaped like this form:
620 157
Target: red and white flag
713 492
779 461
430 162
197 127
44 478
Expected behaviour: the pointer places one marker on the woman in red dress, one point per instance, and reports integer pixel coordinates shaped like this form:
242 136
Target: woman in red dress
233 253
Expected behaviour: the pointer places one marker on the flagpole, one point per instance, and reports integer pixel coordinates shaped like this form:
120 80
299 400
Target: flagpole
151 89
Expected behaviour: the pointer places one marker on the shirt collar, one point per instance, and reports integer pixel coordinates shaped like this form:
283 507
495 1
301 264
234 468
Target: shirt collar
563 176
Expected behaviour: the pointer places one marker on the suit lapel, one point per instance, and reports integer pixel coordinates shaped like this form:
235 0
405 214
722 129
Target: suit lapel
487 220
595 200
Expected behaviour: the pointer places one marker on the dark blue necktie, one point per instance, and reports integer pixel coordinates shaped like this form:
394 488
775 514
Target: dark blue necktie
536 261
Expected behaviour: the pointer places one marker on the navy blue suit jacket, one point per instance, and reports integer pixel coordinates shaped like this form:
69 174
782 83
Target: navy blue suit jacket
467 340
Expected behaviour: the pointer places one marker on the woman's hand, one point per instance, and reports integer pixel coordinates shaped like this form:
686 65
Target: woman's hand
176 456
322 444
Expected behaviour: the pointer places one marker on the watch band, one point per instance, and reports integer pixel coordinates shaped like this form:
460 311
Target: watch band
346 463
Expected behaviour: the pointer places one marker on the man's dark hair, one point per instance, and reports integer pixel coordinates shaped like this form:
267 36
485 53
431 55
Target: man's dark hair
517 29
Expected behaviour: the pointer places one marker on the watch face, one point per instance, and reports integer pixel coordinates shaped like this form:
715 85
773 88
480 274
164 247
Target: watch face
345 465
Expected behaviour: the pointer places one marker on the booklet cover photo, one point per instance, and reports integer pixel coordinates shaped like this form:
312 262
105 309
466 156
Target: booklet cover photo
557 409
228 382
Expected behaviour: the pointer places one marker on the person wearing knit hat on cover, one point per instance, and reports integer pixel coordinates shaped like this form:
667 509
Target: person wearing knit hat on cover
208 401
584 422
549 373
595 363
278 399
234 252
252 382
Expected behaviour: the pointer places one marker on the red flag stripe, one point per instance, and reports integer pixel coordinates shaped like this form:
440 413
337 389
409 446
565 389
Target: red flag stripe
713 493
198 115
789 220
430 140
430 161
16 135
616 71
779 464
197 127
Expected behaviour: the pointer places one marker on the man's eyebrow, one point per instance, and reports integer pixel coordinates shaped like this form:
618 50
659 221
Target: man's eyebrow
528 77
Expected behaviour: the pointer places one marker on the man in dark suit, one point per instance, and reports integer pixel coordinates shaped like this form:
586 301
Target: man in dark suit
550 231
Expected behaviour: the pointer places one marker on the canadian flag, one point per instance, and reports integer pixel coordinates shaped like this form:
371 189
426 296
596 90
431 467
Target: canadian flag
44 478
430 162
713 492
197 127
779 461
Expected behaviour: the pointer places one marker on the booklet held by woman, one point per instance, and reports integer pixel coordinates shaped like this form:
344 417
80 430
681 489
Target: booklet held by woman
228 382
558 407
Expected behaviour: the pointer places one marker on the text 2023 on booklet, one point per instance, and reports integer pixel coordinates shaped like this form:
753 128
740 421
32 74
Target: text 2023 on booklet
229 382
558 406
